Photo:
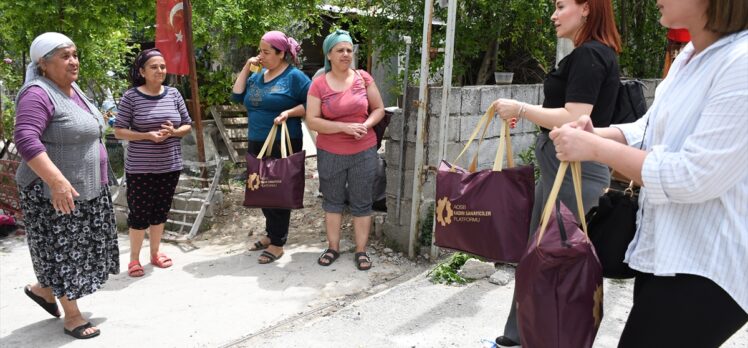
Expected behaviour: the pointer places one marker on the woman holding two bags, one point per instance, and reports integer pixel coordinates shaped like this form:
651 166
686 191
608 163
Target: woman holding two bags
275 94
343 106
691 243
585 82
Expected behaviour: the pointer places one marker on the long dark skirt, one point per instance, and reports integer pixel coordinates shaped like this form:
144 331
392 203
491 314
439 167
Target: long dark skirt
74 253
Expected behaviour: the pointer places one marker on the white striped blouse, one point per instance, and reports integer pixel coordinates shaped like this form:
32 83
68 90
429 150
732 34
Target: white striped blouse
694 205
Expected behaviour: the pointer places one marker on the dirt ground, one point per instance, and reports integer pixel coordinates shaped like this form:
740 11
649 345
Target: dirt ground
239 226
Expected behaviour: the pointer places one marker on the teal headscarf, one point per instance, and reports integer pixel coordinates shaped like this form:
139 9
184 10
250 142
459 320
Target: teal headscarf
331 40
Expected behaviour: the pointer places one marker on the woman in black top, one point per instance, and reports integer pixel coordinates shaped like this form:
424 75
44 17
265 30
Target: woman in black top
585 83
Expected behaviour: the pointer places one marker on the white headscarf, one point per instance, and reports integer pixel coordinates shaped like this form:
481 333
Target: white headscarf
42 45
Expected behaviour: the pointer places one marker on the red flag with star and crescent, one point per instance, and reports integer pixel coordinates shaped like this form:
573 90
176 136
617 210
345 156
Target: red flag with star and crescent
170 35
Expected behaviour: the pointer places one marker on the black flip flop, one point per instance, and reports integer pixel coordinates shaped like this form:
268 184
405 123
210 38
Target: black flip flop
326 256
258 246
51 308
269 257
78 332
361 258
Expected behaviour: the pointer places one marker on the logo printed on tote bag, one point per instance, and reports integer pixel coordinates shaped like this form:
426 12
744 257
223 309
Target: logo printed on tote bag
253 181
444 211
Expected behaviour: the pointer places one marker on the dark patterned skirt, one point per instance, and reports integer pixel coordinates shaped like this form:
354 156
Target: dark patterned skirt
74 253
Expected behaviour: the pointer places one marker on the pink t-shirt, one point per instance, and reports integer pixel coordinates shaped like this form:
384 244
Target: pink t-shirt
350 106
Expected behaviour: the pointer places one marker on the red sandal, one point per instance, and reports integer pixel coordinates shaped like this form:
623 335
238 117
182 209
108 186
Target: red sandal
134 269
161 261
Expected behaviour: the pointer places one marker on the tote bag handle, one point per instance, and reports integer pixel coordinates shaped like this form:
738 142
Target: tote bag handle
576 174
505 144
267 147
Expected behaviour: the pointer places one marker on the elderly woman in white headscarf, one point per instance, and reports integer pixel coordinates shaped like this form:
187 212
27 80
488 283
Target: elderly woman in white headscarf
63 183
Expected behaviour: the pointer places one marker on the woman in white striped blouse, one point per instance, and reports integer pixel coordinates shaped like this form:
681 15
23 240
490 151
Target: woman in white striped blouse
692 240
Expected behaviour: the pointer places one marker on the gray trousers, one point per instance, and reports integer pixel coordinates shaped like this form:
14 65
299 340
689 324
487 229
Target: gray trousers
595 178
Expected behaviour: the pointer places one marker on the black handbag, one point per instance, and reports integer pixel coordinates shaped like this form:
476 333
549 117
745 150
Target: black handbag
611 227
612 224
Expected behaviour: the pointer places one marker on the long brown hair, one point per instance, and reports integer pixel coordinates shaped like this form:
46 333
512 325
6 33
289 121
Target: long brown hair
600 25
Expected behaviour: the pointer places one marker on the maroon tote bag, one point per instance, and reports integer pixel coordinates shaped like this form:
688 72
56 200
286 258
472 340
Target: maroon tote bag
275 182
559 281
485 213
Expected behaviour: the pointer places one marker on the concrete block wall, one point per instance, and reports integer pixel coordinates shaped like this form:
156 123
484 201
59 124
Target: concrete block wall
466 106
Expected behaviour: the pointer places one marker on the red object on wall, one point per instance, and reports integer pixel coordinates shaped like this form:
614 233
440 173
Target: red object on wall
170 35
679 35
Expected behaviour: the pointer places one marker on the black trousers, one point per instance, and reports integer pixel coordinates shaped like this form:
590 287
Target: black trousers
680 311
277 221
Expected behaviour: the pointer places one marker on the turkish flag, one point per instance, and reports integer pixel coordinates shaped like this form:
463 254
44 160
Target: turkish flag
170 35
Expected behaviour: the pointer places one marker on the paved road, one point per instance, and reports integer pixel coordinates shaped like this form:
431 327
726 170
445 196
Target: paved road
218 296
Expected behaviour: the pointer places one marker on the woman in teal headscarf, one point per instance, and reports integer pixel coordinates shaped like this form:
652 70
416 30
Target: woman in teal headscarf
342 106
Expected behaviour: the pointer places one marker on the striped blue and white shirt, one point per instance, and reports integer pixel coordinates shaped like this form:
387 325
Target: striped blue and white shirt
694 205
143 113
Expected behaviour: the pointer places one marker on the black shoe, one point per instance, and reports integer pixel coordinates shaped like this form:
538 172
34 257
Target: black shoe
503 341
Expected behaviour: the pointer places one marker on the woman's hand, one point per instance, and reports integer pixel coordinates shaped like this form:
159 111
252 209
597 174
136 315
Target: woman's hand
62 196
584 123
507 108
252 61
357 130
157 136
168 129
575 141
281 118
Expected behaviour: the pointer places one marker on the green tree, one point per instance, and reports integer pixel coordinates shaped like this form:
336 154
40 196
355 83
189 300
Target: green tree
100 30
226 32
509 35
489 35
643 38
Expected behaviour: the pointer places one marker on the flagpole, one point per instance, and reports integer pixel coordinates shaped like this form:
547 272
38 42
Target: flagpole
197 117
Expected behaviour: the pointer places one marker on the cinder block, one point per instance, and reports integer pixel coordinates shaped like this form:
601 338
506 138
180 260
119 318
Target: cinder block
453 129
395 127
471 99
427 189
397 235
428 121
392 153
491 93
468 124
525 93
411 104
407 183
435 100
520 143
524 126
